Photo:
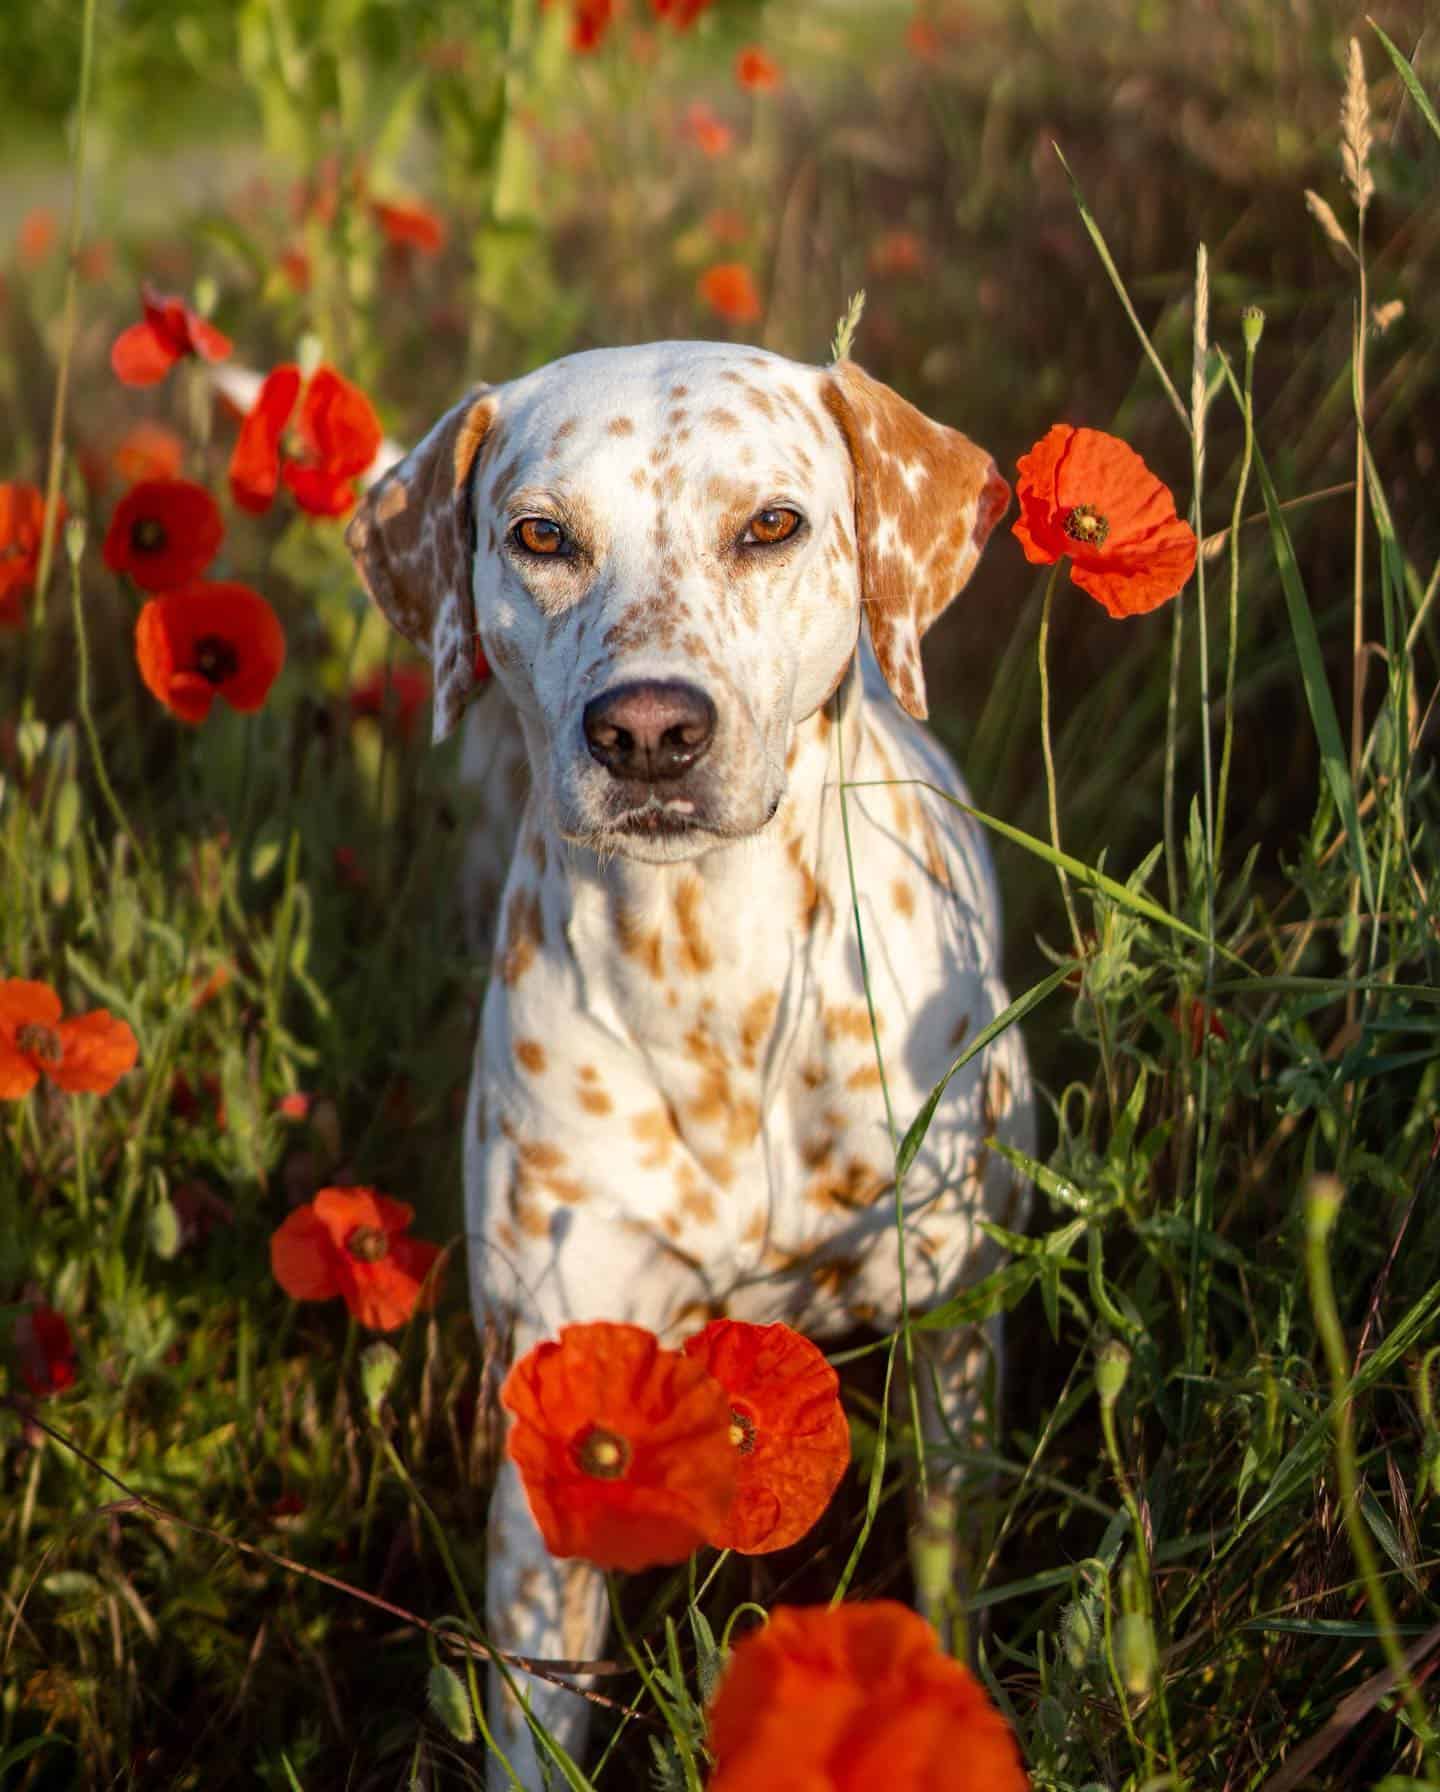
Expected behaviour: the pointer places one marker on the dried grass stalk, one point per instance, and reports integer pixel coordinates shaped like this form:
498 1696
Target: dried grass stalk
1355 130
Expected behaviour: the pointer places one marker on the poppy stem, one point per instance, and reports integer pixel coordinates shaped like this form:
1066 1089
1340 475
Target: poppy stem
87 718
673 1720
1247 412
49 526
1043 651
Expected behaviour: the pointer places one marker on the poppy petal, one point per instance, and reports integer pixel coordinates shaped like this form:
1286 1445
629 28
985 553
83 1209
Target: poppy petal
303 1257
255 463
96 1051
164 533
139 357
338 424
317 491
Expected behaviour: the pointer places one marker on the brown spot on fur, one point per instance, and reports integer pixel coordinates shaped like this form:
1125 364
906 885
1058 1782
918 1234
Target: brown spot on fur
654 1129
594 1101
756 1019
866 1077
640 943
849 1021
531 1055
960 1030
854 1187
935 862
620 426
696 956
391 502
524 934
903 897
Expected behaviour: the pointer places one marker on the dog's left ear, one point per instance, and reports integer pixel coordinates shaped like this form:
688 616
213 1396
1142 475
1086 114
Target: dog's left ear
926 499
413 541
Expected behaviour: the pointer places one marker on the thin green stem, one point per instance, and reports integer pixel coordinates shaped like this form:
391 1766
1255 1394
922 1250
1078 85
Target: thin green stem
909 1347
647 1677
1172 731
87 717
1323 1196
1043 646
1247 410
67 323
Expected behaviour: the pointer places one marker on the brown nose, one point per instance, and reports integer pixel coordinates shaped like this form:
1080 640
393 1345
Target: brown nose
650 730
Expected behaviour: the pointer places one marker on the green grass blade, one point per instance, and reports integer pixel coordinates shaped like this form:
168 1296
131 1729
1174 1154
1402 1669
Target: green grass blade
1085 875
1107 261
1409 77
1017 1010
1312 673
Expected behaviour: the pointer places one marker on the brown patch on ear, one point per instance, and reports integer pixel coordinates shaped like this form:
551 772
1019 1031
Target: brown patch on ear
413 541
926 499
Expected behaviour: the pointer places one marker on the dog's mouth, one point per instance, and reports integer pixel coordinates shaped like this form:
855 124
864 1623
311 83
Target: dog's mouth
654 820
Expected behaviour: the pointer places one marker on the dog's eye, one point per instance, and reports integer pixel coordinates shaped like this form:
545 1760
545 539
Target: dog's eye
770 526
538 535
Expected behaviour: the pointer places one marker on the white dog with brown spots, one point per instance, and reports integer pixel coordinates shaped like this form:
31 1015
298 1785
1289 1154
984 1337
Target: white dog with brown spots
667 554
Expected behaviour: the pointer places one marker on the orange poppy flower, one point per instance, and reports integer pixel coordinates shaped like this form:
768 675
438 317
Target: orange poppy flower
22 517
410 226
624 1447
208 641
758 72
850 1697
786 1424
398 694
145 353
148 451
682 14
86 1055
710 134
351 1242
339 433
164 533
37 236
1089 495
45 1350
729 289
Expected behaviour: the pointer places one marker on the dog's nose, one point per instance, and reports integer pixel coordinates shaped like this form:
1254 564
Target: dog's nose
650 730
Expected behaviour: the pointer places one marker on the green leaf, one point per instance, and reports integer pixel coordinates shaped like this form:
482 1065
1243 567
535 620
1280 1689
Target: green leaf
1017 1010
1409 77
1312 676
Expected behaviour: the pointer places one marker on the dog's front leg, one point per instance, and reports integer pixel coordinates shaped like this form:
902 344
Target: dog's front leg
539 1607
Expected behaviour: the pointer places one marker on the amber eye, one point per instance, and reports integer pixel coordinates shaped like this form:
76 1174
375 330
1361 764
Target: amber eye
538 535
769 526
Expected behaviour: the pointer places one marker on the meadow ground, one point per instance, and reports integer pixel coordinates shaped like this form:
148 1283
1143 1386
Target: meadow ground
1198 1553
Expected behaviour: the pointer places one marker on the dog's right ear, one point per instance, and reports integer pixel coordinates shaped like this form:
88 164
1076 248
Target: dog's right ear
413 541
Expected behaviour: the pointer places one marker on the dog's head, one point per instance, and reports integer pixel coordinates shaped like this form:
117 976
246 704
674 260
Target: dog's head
665 553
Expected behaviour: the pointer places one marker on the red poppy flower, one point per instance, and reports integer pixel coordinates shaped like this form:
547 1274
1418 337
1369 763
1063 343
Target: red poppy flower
351 1242
1199 1020
727 225
922 39
145 353
208 641
624 1447
786 1424
711 135
148 451
45 1350
95 260
22 517
294 264
87 1054
758 72
851 1697
339 434
897 252
728 289
589 21
410 226
1089 495
164 533
397 694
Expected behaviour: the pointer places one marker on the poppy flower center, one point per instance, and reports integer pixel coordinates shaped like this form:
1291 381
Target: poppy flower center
603 1454
368 1244
40 1043
742 1431
147 535
215 659
1086 525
